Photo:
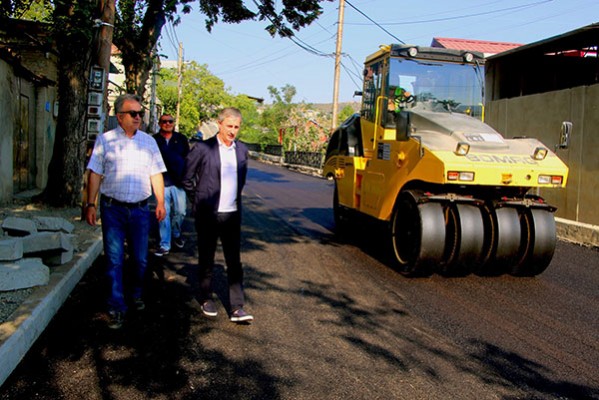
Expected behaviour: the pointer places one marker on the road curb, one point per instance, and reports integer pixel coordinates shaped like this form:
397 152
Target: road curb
27 322
577 232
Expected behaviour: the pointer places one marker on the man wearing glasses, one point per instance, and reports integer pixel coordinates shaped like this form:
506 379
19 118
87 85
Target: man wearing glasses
174 148
125 166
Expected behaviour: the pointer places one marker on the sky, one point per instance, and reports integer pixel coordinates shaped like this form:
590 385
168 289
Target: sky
249 60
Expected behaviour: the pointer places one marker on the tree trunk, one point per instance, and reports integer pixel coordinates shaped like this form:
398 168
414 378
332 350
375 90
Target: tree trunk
137 43
74 37
65 181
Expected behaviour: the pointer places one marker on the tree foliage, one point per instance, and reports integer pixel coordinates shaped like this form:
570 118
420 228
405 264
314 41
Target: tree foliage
251 128
345 113
276 118
294 125
33 10
203 95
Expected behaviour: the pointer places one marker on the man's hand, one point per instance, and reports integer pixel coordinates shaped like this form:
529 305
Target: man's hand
158 188
93 185
160 212
90 215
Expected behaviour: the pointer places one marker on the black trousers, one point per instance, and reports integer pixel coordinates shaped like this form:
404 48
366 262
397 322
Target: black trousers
227 227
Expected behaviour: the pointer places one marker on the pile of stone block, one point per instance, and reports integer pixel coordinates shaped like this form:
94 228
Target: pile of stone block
29 247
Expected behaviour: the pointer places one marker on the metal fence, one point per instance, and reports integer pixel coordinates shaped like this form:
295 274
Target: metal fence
310 159
305 158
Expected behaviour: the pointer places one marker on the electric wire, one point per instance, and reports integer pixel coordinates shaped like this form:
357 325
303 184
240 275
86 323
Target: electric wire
300 43
351 75
358 66
376 23
169 36
172 25
515 8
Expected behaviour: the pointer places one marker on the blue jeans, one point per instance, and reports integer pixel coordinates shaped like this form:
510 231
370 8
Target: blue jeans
120 223
175 203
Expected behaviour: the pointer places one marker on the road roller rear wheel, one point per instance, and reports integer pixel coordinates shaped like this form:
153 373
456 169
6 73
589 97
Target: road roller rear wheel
418 235
503 228
538 242
465 240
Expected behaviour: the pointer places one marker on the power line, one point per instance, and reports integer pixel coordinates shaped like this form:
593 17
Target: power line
253 64
454 9
351 75
357 65
265 60
295 39
426 21
169 36
376 23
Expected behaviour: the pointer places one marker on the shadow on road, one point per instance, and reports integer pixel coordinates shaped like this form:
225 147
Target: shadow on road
155 355
341 341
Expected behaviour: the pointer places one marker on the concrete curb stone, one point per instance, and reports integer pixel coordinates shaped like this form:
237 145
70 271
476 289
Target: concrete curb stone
29 320
23 273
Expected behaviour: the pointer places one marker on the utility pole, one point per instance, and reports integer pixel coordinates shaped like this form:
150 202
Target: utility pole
337 64
100 95
153 117
179 84
106 26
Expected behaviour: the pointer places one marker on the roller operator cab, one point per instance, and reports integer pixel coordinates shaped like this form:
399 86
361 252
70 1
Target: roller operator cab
456 195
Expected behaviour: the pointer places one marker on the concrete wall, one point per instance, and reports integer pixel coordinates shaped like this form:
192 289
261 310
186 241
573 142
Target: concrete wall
41 124
45 132
541 116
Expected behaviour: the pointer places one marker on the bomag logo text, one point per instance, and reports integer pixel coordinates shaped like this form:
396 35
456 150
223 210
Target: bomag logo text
501 159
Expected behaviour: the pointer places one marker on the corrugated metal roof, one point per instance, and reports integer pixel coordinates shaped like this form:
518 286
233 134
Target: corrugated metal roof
582 39
484 46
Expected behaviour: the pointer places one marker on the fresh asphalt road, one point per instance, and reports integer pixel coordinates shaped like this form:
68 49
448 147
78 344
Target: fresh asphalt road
333 321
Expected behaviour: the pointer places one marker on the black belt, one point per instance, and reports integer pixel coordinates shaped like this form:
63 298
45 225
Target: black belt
110 200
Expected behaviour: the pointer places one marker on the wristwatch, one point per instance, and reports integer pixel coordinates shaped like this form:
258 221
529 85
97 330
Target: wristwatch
88 205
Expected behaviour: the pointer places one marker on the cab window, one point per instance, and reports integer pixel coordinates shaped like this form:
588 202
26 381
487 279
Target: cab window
373 80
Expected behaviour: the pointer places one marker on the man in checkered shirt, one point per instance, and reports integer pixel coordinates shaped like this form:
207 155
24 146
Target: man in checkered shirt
125 167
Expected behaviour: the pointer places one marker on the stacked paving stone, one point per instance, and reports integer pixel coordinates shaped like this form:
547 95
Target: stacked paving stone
28 247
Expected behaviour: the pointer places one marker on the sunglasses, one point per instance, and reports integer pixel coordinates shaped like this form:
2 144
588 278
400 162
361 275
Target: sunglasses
133 114
166 121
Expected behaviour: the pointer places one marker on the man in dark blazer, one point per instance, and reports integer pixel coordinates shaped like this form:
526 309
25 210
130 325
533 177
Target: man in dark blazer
215 173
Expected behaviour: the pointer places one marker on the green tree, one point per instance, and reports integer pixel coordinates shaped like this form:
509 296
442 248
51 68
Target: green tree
33 10
203 95
299 125
277 117
251 128
166 89
345 113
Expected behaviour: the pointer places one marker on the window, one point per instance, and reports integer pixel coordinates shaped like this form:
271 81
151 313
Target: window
372 88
